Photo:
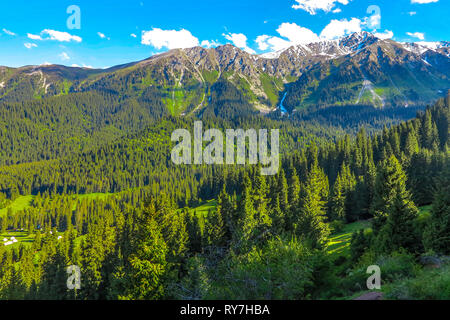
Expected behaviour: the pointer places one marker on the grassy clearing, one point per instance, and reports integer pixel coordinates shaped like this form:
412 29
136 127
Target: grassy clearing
204 208
22 202
425 210
339 243
202 212
21 236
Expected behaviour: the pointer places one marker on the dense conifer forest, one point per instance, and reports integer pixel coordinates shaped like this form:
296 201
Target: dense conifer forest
102 193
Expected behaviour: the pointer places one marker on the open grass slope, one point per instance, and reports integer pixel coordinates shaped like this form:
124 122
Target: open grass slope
24 202
20 203
339 243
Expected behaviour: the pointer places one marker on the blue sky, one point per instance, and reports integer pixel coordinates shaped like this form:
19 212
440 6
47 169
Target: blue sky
114 32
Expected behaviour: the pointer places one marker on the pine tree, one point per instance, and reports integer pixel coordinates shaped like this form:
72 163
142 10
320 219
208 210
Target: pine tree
246 214
283 191
359 244
147 263
411 144
429 132
263 220
173 229
228 213
310 217
437 233
338 200
342 200
216 227
278 218
389 181
398 231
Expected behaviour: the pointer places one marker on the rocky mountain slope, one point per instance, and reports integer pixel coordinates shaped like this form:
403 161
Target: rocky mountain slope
357 69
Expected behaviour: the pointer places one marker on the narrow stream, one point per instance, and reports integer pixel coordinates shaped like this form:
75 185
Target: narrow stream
282 108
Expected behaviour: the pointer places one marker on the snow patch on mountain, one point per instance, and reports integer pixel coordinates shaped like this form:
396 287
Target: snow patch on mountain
327 48
421 47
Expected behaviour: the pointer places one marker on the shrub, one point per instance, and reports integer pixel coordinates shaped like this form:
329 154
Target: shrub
428 285
337 226
280 270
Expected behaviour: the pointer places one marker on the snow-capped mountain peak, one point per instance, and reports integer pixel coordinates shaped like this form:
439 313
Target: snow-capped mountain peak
328 48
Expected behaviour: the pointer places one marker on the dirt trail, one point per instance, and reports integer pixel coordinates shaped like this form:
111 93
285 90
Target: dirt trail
370 296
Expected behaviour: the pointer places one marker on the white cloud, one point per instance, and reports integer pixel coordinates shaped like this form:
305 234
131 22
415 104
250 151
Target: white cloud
312 6
75 65
276 43
337 10
64 56
210 44
170 39
423 1
418 35
102 35
60 36
262 42
297 34
240 41
133 35
387 34
338 28
34 36
29 45
374 21
293 34
412 13
8 32
48 34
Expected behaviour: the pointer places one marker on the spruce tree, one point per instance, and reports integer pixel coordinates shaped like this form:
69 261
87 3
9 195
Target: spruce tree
311 215
399 232
437 233
147 263
390 180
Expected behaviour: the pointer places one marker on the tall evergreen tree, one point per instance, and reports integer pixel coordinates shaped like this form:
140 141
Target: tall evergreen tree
399 231
147 263
390 180
437 233
311 214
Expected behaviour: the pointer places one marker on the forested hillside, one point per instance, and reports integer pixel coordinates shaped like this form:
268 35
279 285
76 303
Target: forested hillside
265 237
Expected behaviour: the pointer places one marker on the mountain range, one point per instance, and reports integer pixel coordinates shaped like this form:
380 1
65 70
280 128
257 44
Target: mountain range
359 69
